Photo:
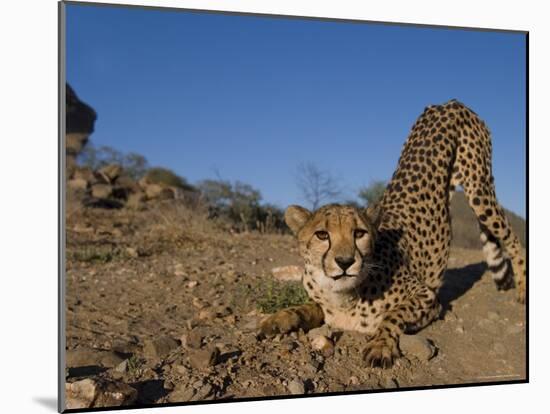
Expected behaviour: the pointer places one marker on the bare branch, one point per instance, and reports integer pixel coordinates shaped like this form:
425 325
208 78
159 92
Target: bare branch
317 186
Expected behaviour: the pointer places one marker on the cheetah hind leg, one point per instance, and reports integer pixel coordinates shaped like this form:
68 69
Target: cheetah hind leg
496 228
497 261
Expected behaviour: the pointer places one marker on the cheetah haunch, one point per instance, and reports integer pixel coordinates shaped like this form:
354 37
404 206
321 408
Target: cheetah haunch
378 271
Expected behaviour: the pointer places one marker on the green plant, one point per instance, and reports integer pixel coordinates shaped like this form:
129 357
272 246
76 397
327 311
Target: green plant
373 193
165 176
134 364
275 295
135 165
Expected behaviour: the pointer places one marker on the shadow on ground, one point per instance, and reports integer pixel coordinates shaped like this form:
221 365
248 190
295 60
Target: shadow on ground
456 282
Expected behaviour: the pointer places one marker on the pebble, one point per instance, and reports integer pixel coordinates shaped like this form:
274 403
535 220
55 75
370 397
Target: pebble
122 367
191 284
323 345
296 387
353 380
132 252
417 346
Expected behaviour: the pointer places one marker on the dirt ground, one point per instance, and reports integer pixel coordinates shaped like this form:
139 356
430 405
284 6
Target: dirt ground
168 304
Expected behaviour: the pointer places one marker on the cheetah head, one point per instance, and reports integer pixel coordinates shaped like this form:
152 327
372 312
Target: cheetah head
336 243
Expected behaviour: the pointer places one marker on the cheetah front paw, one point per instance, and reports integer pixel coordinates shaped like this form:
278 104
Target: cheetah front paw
282 322
381 352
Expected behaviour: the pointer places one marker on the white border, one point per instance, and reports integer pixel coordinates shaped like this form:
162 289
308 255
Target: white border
28 162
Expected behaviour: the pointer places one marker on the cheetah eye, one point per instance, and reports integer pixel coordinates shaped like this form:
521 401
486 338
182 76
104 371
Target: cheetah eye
321 235
359 233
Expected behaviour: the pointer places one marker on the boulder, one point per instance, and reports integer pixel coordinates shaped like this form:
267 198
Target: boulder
136 200
80 119
158 192
159 347
102 190
111 172
89 393
77 184
126 182
86 174
82 357
204 358
417 346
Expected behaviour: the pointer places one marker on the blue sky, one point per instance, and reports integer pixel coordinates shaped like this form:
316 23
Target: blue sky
252 97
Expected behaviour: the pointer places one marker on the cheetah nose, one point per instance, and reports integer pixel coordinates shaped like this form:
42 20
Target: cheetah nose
344 262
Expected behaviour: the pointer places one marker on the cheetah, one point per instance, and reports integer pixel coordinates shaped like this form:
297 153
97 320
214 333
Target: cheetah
378 270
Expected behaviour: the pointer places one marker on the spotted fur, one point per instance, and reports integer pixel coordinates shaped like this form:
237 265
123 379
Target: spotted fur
379 271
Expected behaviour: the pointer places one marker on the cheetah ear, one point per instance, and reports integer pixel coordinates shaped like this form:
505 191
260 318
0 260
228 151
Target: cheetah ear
374 214
296 217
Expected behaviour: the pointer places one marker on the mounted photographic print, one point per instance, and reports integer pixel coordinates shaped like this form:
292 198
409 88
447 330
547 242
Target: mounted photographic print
259 207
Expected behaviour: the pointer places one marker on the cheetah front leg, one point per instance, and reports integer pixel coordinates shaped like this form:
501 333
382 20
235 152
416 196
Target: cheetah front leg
304 317
413 314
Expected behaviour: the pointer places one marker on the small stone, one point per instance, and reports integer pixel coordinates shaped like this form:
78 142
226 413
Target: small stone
459 329
204 358
417 346
199 303
353 380
132 252
324 345
122 367
191 284
159 347
222 311
288 273
296 387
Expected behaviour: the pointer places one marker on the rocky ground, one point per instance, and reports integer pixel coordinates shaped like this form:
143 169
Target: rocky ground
162 306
